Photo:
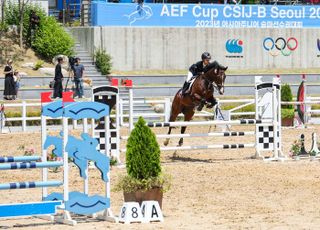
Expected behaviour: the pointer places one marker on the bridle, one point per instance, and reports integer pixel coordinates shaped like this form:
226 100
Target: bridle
214 84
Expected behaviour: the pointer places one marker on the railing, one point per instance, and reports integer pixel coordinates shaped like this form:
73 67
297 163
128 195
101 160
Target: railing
163 115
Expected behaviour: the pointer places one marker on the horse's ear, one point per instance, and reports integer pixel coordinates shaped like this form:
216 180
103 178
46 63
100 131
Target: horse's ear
225 68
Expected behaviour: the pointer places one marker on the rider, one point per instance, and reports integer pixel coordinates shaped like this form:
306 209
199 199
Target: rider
195 70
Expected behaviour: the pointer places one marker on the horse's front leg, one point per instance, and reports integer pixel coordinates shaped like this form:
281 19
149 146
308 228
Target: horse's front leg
200 99
188 114
211 101
202 103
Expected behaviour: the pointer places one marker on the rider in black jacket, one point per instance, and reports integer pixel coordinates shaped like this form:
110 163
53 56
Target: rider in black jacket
195 70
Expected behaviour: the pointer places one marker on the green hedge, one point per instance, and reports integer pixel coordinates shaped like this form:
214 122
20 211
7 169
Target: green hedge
287 113
51 39
143 153
12 16
103 61
286 95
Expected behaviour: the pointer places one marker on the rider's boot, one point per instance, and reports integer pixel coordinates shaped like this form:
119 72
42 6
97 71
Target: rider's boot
185 88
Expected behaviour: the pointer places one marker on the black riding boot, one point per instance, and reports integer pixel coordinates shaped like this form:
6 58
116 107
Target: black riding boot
185 87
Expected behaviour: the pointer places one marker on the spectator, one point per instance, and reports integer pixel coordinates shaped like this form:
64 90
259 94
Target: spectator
16 78
33 25
78 78
9 92
58 78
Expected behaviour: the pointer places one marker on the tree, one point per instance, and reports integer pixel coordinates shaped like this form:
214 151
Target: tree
22 4
3 3
143 153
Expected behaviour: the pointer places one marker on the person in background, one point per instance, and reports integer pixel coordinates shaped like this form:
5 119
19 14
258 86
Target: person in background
78 78
58 78
34 22
9 92
17 78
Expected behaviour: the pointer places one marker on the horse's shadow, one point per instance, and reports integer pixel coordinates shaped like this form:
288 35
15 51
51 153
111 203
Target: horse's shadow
176 157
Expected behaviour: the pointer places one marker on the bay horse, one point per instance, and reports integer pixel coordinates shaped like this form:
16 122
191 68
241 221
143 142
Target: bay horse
201 93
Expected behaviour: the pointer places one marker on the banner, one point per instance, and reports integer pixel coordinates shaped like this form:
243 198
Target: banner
204 15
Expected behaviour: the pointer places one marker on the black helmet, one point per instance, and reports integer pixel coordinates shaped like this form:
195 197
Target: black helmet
205 55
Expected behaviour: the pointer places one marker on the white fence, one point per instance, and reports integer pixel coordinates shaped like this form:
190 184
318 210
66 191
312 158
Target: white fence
163 104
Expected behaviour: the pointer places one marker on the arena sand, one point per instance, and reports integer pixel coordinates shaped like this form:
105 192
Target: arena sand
212 189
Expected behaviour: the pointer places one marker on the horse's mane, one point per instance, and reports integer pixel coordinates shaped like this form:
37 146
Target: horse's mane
212 65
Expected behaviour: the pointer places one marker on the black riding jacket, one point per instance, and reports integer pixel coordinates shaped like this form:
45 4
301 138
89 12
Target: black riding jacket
197 68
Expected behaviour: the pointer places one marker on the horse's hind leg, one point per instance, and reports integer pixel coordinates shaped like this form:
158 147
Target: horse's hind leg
188 114
166 142
173 116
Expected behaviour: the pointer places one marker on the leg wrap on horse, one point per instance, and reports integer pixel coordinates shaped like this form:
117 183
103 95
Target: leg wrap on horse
212 103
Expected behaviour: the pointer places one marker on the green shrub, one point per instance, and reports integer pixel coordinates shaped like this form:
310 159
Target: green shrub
143 162
51 39
287 113
128 184
3 27
143 153
103 61
286 95
12 17
38 65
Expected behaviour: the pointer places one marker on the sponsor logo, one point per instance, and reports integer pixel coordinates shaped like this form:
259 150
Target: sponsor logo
142 12
280 45
234 47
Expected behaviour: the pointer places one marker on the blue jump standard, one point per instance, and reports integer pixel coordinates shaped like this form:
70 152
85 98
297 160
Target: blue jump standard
31 184
19 159
29 209
27 165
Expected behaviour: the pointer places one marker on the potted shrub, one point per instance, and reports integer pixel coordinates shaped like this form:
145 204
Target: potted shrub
295 150
145 179
287 111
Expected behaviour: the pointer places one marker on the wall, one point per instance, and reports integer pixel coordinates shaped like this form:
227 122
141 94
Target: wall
142 48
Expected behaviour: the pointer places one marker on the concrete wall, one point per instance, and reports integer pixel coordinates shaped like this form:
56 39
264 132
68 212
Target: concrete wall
137 48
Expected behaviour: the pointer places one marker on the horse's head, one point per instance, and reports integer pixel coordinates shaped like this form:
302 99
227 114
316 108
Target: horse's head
214 72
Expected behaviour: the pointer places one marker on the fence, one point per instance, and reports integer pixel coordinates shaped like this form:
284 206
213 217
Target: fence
164 115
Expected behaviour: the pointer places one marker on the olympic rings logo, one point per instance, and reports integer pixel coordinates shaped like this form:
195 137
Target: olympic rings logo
280 45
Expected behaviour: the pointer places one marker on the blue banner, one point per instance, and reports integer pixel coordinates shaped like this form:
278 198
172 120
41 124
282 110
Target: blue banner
205 15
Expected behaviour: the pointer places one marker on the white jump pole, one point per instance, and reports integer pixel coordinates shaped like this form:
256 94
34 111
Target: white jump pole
275 120
130 109
118 124
167 109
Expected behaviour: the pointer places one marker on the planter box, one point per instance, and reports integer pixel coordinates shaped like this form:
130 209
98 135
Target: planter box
287 122
140 196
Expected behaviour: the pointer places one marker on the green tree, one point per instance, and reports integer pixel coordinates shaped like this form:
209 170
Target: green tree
51 39
143 153
103 61
286 95
18 13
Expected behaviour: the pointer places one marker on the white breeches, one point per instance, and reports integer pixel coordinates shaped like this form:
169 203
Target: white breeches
189 76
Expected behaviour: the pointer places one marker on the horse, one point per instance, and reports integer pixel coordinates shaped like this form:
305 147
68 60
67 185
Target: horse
201 93
142 12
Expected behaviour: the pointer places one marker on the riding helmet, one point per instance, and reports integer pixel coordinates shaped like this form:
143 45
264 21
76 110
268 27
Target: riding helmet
205 55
